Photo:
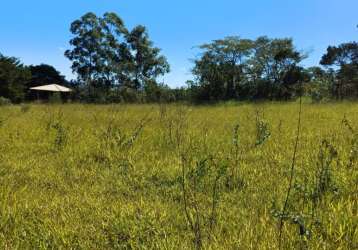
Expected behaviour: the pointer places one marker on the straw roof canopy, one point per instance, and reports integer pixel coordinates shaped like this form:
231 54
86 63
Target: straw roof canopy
52 88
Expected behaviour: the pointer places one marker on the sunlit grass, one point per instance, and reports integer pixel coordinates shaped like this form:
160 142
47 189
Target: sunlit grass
97 177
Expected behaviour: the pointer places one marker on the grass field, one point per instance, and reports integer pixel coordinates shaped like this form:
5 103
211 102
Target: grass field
178 177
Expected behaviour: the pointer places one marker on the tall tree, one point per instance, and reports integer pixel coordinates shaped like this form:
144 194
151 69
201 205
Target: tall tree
222 65
343 59
13 78
86 54
275 62
114 50
45 74
104 54
146 63
234 68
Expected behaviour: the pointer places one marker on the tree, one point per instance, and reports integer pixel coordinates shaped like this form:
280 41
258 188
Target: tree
158 92
235 68
106 55
13 78
221 67
276 63
115 53
87 54
315 73
43 74
146 63
344 61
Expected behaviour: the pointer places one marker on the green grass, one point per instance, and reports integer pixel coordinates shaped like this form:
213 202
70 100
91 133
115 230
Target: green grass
102 177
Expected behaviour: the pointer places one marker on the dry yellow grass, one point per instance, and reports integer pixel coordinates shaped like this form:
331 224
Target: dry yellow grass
101 177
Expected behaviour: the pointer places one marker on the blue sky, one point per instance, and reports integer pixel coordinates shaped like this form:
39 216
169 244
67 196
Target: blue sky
37 31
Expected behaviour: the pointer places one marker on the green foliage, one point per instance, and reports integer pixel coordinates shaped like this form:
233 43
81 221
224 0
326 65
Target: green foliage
57 130
16 79
146 63
116 65
319 91
262 129
158 93
353 156
324 178
43 74
206 174
345 57
4 101
235 68
55 98
308 202
106 56
13 78
220 68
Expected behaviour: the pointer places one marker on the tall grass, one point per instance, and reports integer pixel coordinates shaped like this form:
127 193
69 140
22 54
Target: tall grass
178 177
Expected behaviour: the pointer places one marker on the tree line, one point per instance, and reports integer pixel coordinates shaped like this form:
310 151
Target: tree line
16 79
114 64
265 68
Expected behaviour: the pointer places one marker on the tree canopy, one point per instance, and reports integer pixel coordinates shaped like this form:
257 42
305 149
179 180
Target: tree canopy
13 78
236 68
113 63
105 54
343 61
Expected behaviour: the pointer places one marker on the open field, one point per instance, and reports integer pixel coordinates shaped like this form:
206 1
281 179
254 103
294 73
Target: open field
178 177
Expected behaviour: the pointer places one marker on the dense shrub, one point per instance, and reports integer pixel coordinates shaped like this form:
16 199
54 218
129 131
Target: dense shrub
4 101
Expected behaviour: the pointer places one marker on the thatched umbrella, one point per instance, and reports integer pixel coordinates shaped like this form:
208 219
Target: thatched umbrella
51 88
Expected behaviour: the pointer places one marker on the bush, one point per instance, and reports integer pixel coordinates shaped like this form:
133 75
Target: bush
55 98
130 95
316 96
4 101
319 91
